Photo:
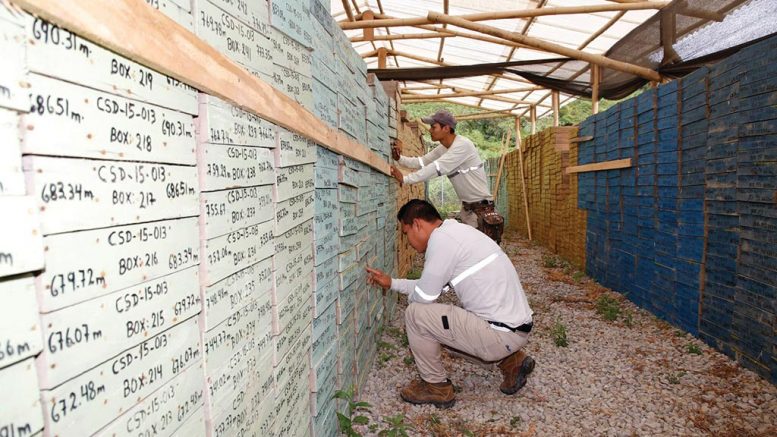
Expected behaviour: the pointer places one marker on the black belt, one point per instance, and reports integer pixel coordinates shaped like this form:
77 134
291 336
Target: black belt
474 204
526 327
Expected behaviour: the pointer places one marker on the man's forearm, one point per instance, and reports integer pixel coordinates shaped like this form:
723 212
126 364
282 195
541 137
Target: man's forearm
404 286
410 162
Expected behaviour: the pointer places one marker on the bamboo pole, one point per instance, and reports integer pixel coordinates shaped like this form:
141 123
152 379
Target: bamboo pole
525 28
585 43
547 46
484 116
404 36
507 15
468 90
356 6
487 97
498 179
382 57
368 33
667 26
495 111
425 88
453 32
348 11
488 93
523 177
419 58
449 101
442 40
555 102
594 89
533 119
388 32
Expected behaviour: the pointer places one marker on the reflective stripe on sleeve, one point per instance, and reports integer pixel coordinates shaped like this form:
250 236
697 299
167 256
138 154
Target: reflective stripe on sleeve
424 296
465 170
466 273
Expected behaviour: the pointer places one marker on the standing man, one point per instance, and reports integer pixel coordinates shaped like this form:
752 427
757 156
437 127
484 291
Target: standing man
457 158
494 321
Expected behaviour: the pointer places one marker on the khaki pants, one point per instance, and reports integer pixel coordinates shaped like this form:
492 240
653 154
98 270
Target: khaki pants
466 332
469 217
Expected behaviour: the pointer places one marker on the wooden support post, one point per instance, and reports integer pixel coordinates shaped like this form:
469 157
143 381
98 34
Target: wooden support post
368 32
595 72
555 99
533 118
667 25
523 178
498 179
382 52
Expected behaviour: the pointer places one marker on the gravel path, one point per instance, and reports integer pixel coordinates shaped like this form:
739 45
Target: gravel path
635 375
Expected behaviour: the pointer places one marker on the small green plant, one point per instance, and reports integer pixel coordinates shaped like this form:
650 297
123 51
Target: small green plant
693 349
559 334
628 319
515 422
434 420
383 345
608 307
675 377
384 358
396 426
347 422
550 261
394 332
578 276
405 342
409 360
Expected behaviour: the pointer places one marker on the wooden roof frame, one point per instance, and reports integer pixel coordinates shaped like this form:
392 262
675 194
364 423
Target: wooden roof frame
440 25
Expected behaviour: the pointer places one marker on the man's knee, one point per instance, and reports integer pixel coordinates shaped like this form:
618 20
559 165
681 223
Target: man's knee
417 313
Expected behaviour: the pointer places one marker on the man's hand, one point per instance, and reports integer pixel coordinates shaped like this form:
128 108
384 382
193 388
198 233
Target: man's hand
396 149
397 175
376 277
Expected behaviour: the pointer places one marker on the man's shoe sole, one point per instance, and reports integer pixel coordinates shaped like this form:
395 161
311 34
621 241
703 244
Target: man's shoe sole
526 368
442 405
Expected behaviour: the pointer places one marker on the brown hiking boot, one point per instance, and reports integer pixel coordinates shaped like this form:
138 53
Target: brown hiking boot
421 392
515 368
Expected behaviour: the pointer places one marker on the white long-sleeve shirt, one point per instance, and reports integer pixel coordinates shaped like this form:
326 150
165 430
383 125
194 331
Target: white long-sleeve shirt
493 292
470 183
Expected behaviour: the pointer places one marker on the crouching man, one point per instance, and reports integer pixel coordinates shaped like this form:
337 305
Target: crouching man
494 321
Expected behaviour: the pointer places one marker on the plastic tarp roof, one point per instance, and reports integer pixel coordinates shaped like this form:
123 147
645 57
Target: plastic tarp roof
630 36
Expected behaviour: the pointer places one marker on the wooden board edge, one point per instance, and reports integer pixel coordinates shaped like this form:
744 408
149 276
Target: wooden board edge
599 166
152 39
